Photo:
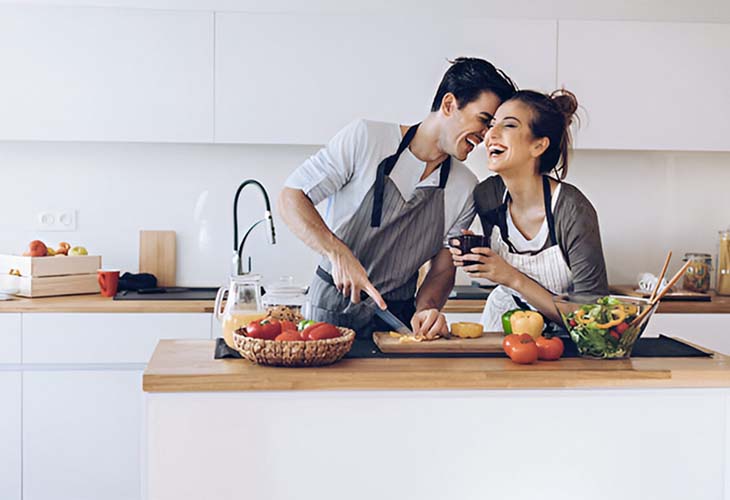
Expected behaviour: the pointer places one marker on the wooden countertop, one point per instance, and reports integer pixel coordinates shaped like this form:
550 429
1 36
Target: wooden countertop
98 304
188 366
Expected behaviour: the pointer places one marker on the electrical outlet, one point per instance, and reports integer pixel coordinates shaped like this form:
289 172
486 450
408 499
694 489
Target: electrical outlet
56 220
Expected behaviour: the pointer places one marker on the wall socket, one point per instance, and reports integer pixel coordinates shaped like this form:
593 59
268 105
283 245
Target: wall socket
56 220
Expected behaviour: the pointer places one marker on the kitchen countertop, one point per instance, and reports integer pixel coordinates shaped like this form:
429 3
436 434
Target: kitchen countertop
188 366
96 303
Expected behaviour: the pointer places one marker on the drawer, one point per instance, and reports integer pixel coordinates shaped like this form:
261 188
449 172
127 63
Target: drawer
105 337
10 325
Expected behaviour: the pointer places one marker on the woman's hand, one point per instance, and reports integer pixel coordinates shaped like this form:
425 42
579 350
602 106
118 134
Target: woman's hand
456 252
490 266
429 323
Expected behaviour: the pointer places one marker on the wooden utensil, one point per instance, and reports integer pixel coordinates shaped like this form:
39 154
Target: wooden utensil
157 255
661 277
664 291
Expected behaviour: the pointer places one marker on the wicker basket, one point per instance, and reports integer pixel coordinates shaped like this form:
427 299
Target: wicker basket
295 352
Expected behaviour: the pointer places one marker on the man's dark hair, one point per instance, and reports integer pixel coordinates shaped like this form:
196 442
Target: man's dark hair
468 77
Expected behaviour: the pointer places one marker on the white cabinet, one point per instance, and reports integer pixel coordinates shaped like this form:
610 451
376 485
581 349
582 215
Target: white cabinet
706 330
91 74
10 338
81 435
648 85
298 79
10 447
105 337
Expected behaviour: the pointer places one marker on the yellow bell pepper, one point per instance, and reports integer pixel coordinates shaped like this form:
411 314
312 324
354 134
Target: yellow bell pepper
529 322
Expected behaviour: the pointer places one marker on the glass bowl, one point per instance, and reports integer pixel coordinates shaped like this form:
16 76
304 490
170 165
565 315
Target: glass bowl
602 327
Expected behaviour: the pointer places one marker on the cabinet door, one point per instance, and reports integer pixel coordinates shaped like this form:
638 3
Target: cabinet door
89 74
298 79
10 338
10 472
81 435
648 85
105 338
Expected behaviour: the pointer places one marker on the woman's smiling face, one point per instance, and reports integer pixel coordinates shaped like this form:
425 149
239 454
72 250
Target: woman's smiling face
510 142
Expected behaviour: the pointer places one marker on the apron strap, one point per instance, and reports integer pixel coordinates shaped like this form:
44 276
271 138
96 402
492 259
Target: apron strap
548 197
385 167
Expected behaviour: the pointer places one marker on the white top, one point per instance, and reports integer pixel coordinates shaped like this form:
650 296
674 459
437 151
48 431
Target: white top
518 240
344 171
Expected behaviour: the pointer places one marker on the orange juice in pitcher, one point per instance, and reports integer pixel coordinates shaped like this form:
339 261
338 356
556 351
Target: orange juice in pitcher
243 305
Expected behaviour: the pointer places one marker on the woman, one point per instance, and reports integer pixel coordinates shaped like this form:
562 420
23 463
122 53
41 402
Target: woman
543 232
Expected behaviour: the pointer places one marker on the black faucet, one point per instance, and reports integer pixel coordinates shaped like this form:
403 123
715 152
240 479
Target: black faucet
271 233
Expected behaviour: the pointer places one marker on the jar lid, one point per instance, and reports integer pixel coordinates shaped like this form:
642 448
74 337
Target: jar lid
285 286
696 255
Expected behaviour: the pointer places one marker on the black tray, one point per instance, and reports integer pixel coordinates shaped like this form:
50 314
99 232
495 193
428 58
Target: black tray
650 347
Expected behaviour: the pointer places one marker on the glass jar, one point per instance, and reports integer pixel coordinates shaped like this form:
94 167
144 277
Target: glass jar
243 305
723 263
697 276
285 299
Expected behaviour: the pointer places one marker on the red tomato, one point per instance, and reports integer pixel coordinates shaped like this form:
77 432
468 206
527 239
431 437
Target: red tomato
549 349
305 333
613 333
288 325
265 329
622 327
324 331
524 352
512 340
288 335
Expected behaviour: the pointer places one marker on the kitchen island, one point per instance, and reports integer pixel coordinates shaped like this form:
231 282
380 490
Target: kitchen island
435 428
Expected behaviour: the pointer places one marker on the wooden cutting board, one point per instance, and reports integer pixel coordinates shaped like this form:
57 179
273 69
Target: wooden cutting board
633 291
489 342
157 255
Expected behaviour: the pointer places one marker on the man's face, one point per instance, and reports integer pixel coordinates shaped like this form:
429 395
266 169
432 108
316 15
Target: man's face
466 127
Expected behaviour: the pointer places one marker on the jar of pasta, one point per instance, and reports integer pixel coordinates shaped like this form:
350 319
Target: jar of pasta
723 263
697 276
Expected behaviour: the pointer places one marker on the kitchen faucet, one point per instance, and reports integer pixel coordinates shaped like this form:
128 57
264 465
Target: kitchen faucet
237 268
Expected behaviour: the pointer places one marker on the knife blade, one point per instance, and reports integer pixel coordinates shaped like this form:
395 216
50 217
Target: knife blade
392 321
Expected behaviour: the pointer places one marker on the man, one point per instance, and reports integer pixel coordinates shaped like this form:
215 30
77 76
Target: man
395 196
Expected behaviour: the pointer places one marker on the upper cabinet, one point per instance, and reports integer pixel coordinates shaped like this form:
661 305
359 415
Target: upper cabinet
92 74
663 86
298 79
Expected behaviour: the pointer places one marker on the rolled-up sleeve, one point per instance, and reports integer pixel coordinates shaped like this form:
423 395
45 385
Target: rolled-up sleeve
328 170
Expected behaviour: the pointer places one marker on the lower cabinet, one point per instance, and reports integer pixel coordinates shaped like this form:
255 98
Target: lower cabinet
10 425
82 433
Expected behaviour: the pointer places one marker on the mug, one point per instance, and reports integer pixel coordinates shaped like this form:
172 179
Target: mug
469 241
108 281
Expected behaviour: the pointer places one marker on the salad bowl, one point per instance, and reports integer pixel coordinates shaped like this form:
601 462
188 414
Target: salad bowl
604 327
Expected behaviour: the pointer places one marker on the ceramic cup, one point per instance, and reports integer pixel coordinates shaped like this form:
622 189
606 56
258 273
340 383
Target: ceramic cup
469 241
108 281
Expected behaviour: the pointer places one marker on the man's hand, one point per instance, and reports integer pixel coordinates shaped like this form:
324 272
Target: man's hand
429 323
350 277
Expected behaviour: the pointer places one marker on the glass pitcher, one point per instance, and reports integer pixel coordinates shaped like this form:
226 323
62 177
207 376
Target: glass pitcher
243 304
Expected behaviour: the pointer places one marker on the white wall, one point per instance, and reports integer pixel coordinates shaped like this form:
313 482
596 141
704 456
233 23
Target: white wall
648 202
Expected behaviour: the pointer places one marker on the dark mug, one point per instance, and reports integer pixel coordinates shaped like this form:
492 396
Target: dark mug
469 241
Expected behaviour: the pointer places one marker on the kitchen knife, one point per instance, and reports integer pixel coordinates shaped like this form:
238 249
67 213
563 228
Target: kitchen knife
392 321
388 317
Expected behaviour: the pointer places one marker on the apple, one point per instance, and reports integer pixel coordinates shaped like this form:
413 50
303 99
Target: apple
37 248
78 251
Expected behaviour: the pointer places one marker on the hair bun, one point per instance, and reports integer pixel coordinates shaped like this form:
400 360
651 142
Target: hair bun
566 102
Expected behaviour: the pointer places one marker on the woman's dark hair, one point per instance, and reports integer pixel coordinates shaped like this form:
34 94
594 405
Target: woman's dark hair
552 115
468 78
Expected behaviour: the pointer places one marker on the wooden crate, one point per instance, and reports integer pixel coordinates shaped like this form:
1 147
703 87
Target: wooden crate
50 276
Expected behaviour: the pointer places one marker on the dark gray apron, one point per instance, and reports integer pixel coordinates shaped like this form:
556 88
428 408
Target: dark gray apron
392 238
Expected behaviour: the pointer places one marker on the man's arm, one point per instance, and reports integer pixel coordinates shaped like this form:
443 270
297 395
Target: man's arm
428 320
302 218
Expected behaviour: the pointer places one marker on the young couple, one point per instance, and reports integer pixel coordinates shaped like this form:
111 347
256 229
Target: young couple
396 195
